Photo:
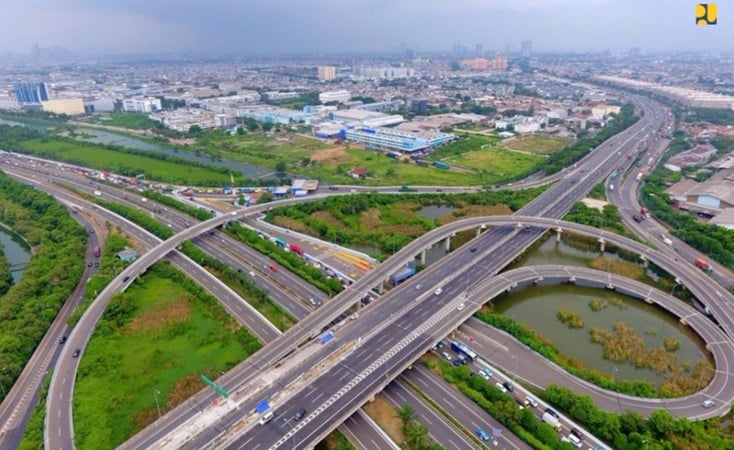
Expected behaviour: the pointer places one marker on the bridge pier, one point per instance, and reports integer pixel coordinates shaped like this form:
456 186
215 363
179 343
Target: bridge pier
381 288
423 258
648 300
479 231
683 322
447 244
572 279
645 261
513 285
559 231
602 245
538 280
610 286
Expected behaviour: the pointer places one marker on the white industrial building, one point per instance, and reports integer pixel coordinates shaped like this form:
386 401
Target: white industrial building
391 139
145 105
359 117
340 96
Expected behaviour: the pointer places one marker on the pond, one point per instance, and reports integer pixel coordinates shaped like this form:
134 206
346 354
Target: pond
16 252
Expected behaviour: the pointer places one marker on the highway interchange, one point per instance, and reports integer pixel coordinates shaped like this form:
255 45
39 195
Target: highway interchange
578 183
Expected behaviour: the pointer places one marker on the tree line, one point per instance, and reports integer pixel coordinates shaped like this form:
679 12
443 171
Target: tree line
56 266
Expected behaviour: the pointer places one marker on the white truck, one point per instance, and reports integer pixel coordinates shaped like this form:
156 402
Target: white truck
552 420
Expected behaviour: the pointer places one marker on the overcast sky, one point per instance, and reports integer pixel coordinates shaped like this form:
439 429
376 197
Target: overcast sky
325 26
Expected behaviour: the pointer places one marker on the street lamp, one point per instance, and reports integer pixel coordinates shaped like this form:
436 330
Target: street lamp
157 405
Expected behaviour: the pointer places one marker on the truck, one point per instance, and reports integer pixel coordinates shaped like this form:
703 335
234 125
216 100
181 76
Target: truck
703 265
97 251
552 421
296 249
644 212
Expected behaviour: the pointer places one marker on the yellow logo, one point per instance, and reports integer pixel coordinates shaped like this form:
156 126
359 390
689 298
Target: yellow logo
706 14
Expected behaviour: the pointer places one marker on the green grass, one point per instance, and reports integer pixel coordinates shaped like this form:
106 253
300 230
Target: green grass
101 158
133 121
164 345
537 144
267 151
498 164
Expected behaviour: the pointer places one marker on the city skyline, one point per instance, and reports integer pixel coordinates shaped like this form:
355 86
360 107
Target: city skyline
318 26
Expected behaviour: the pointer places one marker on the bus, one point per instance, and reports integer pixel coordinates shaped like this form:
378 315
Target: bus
462 349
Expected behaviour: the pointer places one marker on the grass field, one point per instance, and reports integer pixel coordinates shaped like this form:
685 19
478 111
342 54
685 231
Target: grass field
132 121
98 157
537 144
171 339
330 163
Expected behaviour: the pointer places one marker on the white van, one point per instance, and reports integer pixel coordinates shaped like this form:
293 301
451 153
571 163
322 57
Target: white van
267 417
574 440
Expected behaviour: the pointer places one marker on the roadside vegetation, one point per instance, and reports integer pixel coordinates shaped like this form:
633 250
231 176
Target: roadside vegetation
159 335
335 441
6 276
416 433
53 271
389 222
660 431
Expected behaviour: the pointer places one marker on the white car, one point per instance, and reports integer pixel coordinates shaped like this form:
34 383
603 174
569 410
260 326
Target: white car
438 291
460 307
252 274
499 386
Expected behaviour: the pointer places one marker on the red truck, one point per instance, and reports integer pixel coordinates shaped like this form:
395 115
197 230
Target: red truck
97 251
703 265
296 249
644 212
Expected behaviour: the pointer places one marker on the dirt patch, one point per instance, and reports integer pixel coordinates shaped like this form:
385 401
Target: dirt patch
370 219
182 391
325 216
291 224
182 141
475 211
386 417
332 155
160 316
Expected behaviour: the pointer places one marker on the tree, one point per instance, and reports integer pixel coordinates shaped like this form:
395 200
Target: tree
415 434
281 167
406 413
195 130
265 197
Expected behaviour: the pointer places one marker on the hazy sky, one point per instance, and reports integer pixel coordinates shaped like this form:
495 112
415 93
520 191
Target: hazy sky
314 26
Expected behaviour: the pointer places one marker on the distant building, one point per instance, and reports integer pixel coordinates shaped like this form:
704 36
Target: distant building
127 255
27 92
526 49
340 96
69 106
365 118
145 105
389 139
327 73
419 106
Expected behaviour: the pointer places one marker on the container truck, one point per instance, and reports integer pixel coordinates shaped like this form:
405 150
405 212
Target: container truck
703 265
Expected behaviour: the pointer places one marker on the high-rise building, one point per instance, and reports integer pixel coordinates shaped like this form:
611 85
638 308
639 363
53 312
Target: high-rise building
634 52
478 49
526 48
327 73
27 92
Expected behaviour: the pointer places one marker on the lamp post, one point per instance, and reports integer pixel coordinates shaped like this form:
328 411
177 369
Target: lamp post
157 405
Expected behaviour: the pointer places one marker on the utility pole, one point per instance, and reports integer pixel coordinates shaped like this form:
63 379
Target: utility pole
157 405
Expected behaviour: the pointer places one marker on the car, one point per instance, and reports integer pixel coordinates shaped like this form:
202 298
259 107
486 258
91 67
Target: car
89 264
532 402
499 386
457 362
473 249
62 340
299 414
438 291
439 345
76 353
708 403
439 190
483 435
126 279
509 386
460 307
485 373
418 287
447 356
96 264
577 433
637 218
252 274
552 412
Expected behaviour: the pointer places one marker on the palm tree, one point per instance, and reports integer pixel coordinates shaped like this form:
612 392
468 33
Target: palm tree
415 435
406 414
